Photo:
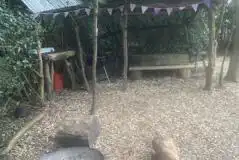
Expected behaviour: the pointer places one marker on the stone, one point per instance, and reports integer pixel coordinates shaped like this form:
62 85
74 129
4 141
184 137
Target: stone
165 149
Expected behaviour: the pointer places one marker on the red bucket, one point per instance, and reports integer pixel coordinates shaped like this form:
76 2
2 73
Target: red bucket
58 82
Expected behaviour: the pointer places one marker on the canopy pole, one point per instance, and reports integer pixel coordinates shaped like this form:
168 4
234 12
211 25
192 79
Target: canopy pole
95 49
125 44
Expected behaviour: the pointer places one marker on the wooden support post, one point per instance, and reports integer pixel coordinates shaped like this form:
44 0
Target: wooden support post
48 79
125 44
95 49
52 75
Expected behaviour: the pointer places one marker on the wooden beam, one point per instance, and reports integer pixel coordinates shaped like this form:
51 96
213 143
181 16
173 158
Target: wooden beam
125 44
140 68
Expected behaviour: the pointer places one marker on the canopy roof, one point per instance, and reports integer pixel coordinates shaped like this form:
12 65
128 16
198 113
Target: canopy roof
37 6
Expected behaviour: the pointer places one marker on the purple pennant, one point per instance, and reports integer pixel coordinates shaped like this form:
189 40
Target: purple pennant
208 3
157 10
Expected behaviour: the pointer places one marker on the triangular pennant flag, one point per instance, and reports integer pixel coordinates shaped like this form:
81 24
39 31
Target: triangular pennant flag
55 14
182 8
208 3
195 7
157 10
121 8
169 10
144 9
110 10
35 15
77 11
66 14
87 11
132 7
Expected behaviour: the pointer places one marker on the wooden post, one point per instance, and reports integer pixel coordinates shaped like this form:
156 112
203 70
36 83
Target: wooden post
95 48
48 79
125 44
211 51
52 75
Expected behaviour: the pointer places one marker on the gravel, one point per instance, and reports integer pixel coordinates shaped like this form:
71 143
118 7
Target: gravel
205 125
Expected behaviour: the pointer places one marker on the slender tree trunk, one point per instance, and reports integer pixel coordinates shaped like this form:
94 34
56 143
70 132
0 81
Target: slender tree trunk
82 63
232 73
125 44
41 68
225 55
95 49
211 51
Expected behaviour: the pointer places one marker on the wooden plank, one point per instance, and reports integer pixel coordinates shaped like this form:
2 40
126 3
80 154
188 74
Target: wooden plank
60 55
139 68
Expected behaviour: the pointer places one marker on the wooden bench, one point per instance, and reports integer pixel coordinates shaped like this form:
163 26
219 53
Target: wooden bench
154 62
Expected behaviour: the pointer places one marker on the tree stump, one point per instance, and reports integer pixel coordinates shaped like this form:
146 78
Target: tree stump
165 149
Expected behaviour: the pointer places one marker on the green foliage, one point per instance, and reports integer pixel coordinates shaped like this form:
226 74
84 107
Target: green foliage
198 32
17 35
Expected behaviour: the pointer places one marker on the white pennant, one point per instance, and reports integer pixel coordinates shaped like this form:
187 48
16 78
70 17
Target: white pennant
35 15
121 8
157 10
132 7
182 8
55 14
87 11
77 11
144 9
110 10
195 7
169 10
66 14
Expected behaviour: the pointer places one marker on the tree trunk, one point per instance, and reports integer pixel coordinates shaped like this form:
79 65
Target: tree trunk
211 51
82 63
41 72
95 49
225 55
125 44
232 73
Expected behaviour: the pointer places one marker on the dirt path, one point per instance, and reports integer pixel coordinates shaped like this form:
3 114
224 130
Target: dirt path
204 124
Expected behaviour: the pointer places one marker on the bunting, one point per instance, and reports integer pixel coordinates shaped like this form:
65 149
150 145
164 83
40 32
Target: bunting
110 10
66 14
181 8
144 8
77 11
169 10
121 8
195 7
157 10
132 7
87 11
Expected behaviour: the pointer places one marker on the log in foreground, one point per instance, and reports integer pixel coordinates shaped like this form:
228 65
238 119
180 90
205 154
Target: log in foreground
76 153
165 149
76 145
